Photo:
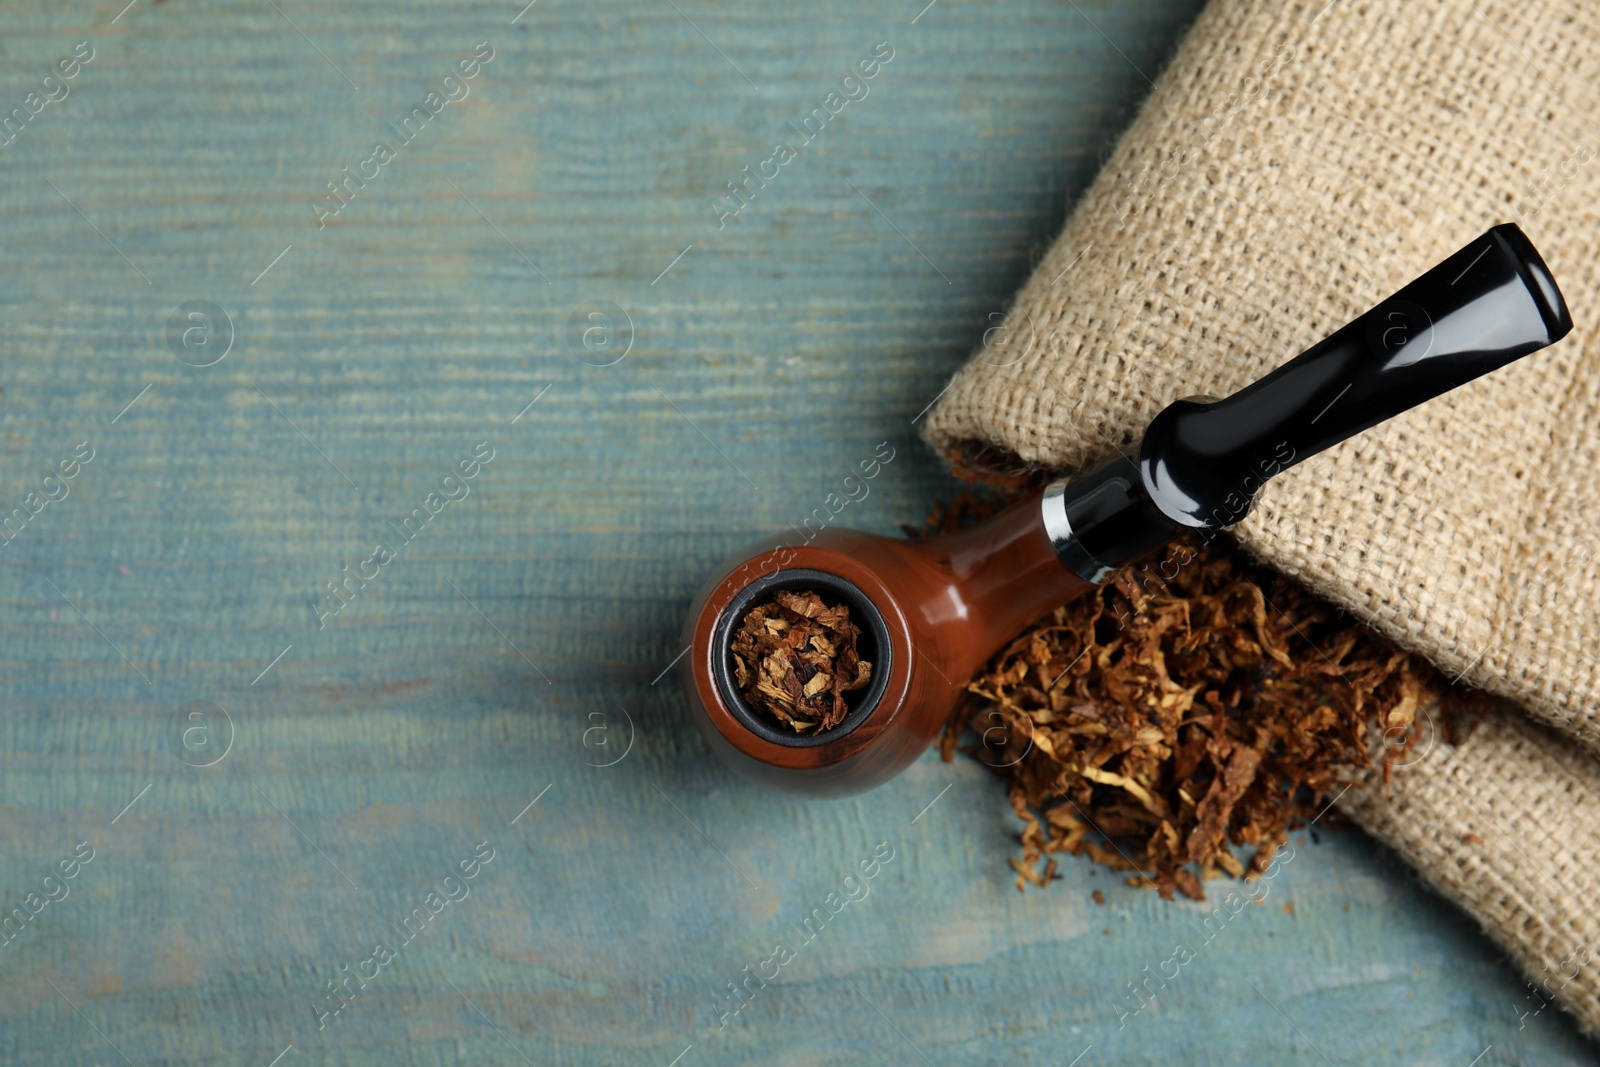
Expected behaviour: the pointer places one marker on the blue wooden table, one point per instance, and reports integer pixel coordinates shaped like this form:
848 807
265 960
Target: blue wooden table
362 449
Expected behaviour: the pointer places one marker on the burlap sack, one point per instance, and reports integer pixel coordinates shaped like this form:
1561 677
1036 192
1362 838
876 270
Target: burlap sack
1296 164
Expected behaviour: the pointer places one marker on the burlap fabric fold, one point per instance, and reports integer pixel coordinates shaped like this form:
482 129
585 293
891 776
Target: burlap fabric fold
1295 164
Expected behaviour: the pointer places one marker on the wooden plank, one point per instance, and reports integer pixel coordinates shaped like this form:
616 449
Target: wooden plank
357 762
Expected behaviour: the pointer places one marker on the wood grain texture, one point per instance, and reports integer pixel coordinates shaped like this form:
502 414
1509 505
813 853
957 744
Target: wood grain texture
471 674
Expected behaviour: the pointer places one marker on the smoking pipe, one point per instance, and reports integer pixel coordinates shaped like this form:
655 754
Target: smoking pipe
932 612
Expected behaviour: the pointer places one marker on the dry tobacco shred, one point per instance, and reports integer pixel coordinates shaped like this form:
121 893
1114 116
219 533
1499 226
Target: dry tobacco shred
1196 704
795 658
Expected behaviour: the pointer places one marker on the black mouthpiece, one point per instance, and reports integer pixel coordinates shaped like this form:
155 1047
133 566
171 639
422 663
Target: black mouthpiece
1202 461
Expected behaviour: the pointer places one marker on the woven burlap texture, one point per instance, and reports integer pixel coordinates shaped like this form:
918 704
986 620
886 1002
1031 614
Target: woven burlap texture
1294 165
1504 823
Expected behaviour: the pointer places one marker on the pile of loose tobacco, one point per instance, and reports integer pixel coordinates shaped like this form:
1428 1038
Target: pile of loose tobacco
1196 705
795 658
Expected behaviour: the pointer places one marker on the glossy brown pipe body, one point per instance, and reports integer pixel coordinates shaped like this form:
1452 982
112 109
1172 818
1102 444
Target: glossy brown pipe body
947 605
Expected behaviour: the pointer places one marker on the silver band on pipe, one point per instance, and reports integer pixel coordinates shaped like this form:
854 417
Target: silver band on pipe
1068 548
